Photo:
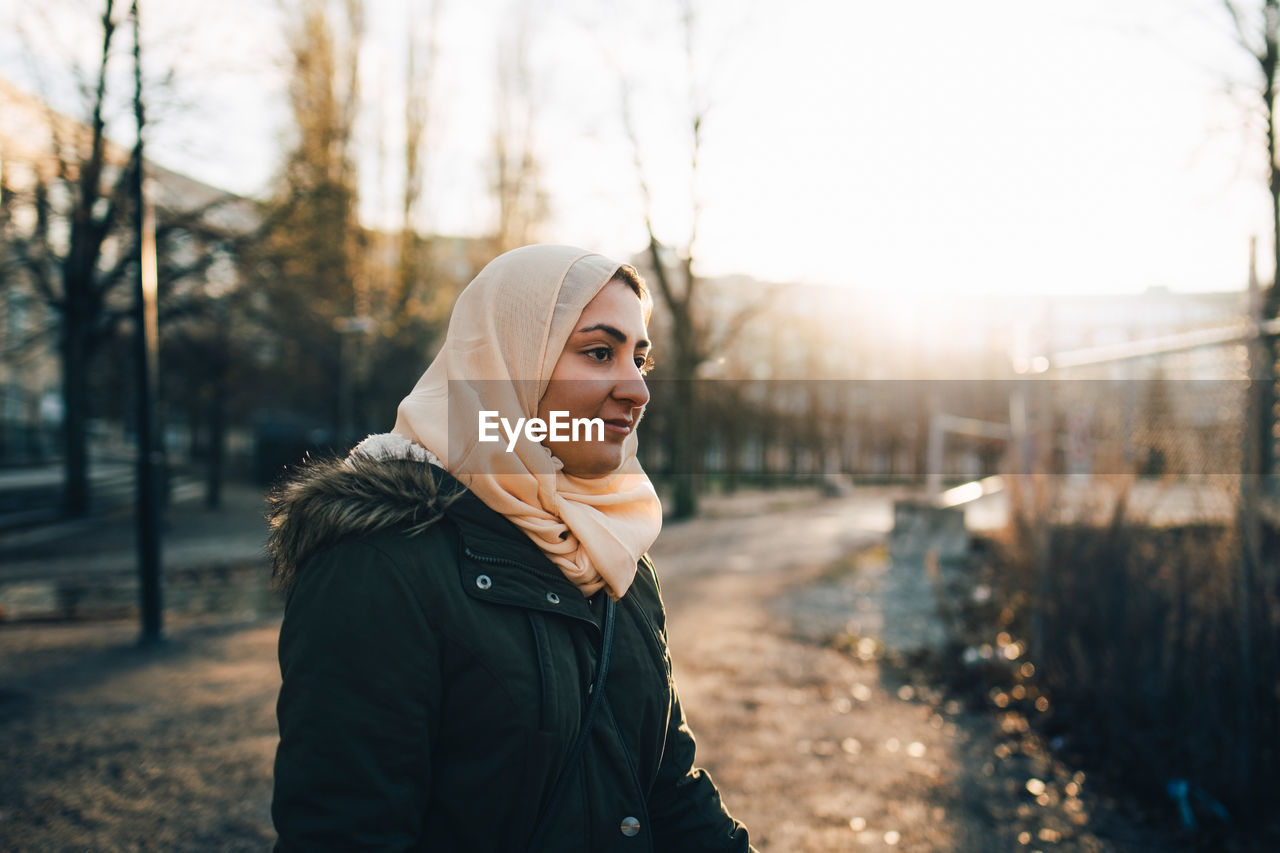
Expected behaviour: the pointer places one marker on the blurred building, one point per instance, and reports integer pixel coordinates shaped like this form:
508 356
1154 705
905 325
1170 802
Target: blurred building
1061 324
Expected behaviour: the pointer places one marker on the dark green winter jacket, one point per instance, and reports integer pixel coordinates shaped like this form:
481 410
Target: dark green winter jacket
436 668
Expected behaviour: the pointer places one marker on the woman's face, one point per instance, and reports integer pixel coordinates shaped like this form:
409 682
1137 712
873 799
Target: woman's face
600 374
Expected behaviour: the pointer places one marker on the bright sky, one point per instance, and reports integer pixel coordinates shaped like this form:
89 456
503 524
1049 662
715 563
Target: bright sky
998 145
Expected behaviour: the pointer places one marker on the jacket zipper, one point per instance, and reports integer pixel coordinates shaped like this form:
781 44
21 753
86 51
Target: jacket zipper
485 558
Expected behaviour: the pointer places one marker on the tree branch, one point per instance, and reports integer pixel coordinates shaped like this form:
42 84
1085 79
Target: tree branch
91 169
117 200
112 277
742 317
25 343
38 268
1242 33
669 296
698 113
188 308
109 319
171 275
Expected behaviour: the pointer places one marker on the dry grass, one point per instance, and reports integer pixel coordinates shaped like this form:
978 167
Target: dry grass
1140 658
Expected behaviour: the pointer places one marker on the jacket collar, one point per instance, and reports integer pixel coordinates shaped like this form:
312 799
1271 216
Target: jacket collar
325 500
500 564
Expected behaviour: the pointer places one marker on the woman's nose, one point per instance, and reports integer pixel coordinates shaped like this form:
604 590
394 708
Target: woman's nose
633 388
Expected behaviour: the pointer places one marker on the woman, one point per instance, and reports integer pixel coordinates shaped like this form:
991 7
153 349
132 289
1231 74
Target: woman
453 602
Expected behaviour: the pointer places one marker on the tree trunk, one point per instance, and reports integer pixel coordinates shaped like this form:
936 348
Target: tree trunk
1271 302
216 453
731 433
684 438
75 419
684 450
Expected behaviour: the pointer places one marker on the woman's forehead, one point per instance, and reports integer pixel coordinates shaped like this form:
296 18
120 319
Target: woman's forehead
616 305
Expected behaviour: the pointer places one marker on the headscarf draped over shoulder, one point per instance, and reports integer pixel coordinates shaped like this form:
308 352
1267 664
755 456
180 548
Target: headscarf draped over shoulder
505 336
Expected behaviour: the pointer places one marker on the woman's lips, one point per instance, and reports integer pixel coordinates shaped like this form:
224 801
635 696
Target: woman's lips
618 427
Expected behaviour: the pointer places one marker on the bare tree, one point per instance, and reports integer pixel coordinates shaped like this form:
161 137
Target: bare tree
420 73
309 260
521 199
1257 31
76 253
694 332
406 314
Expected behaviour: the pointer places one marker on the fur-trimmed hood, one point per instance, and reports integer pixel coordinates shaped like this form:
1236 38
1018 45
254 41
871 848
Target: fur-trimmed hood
325 500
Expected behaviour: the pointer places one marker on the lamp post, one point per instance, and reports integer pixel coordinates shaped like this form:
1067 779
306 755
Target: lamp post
145 345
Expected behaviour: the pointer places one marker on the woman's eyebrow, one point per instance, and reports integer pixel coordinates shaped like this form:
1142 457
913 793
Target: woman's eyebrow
612 332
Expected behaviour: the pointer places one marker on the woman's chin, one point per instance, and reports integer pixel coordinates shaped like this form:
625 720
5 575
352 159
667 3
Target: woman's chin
594 464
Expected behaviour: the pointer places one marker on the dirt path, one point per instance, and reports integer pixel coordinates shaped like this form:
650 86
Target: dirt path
820 750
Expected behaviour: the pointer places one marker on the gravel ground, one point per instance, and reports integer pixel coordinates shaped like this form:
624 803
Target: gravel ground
106 746
820 748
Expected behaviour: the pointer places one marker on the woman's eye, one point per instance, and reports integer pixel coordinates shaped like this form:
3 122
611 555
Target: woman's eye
600 354
645 363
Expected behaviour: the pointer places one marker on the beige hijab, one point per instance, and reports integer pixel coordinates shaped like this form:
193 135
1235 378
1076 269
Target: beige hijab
506 334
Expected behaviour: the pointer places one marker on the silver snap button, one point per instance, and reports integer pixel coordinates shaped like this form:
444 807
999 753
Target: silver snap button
553 598
630 827
484 581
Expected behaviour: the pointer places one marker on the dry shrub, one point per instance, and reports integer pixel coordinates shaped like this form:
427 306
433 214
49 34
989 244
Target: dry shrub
1155 661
